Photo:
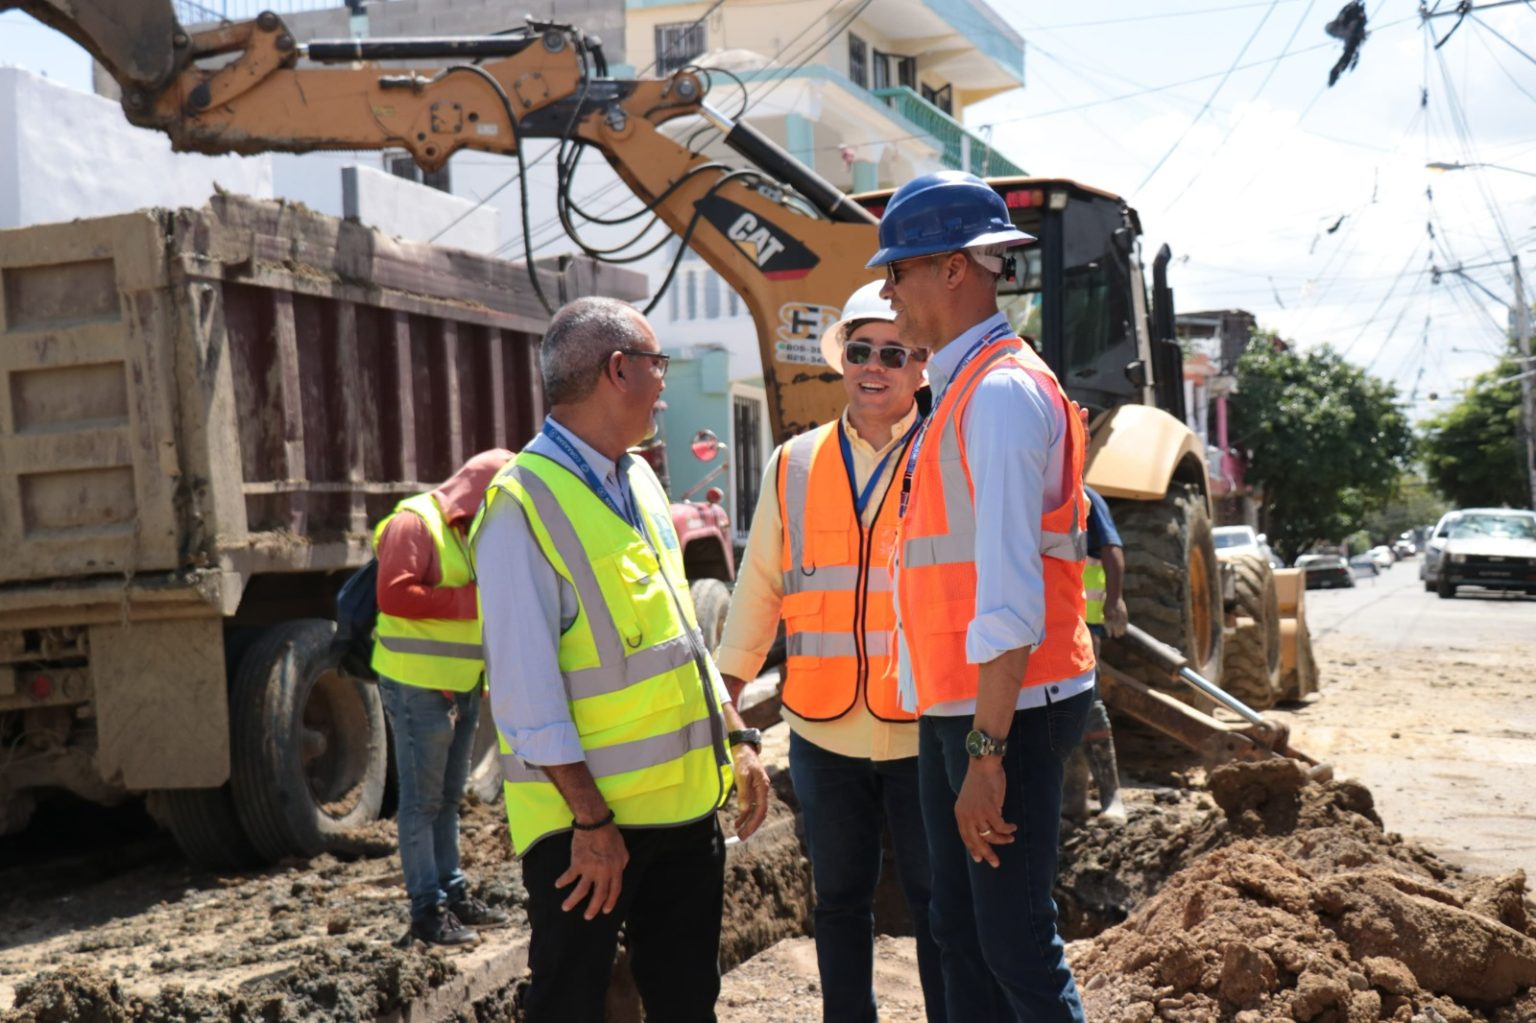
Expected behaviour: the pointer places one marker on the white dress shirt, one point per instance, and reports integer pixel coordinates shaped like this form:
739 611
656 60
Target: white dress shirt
525 607
1015 442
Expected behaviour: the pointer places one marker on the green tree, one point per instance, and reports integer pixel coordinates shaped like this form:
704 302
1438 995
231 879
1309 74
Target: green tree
1414 504
1326 442
1472 452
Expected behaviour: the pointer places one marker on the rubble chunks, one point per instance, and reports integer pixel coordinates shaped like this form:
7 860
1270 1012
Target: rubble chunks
1305 910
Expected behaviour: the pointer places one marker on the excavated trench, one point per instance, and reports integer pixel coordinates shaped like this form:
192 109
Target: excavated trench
1260 897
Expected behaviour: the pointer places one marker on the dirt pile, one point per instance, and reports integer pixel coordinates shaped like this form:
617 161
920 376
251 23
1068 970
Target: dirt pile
1293 904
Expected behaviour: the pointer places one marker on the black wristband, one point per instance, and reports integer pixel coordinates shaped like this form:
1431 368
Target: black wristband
594 825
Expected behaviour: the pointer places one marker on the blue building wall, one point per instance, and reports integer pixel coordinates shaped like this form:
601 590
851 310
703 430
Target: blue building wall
698 398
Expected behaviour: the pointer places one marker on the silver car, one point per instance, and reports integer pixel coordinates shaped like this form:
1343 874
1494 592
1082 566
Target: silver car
1493 548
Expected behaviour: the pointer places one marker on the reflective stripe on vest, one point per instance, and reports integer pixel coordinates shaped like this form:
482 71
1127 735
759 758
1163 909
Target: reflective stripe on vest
1094 584
937 580
633 663
838 608
434 653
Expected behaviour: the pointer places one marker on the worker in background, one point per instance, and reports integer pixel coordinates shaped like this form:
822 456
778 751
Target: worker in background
1105 612
426 653
994 653
818 557
616 730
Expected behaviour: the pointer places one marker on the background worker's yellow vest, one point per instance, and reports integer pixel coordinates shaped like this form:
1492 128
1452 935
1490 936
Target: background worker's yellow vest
634 664
1094 583
435 653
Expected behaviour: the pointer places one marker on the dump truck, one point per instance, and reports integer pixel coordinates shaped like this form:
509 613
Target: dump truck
203 412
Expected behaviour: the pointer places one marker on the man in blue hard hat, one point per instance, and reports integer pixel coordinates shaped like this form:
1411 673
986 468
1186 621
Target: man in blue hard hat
993 652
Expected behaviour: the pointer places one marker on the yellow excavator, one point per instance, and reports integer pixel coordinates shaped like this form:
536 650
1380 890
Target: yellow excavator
787 241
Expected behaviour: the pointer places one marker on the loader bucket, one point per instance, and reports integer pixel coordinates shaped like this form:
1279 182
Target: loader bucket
1298 670
133 39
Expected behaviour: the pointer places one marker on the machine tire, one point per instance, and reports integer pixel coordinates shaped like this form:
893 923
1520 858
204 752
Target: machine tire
1429 587
205 826
1250 665
1172 581
1445 588
711 602
284 695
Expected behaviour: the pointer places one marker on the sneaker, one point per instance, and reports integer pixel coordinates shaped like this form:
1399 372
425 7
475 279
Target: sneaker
471 910
442 927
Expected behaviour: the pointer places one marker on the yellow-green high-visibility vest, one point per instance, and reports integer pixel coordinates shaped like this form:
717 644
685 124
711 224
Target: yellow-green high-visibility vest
435 653
634 664
1093 591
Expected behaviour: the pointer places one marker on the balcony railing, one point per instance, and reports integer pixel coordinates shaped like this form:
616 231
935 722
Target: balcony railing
963 150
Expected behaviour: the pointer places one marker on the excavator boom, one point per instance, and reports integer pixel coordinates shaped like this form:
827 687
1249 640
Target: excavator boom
135 40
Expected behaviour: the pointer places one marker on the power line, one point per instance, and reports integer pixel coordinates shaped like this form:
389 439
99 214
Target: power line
1201 112
1158 17
1501 37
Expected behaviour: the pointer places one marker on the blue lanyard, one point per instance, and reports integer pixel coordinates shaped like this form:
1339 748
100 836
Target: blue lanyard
629 515
861 498
996 333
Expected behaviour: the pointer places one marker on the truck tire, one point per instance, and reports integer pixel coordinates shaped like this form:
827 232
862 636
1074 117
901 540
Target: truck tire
1250 664
711 602
1172 582
205 826
1445 588
307 744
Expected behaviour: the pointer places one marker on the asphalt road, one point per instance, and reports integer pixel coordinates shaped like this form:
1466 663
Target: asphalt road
1432 704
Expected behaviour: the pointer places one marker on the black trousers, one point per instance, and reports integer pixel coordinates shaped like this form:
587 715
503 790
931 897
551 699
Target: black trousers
670 909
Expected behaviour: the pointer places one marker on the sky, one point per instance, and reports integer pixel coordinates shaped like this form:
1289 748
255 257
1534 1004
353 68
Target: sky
1304 204
1247 175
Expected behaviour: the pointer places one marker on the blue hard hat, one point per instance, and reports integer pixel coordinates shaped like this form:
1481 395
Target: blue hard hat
944 212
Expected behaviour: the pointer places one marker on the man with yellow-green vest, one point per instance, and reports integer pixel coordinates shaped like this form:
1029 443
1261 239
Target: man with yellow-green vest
619 742
426 652
1105 612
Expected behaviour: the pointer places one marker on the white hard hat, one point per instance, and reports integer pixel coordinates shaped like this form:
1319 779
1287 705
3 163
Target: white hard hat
864 304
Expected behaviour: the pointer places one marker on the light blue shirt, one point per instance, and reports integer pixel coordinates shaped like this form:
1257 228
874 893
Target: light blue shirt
525 607
1014 433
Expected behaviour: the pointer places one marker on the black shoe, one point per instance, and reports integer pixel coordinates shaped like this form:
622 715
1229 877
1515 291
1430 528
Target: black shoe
471 910
441 927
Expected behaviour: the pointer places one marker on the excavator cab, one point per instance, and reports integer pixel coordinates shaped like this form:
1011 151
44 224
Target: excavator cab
1078 293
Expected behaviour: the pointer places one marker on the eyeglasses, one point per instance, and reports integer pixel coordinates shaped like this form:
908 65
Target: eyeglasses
893 269
662 360
857 353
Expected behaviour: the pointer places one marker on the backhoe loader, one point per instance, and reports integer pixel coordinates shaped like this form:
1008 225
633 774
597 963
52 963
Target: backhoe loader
787 241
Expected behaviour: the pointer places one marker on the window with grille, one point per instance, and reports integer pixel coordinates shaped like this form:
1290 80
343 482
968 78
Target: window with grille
747 420
693 295
677 44
402 166
906 72
858 60
943 98
733 302
880 67
712 296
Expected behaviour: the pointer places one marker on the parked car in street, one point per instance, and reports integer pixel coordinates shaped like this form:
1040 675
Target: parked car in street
1383 557
1492 548
1503 522
1325 571
1245 540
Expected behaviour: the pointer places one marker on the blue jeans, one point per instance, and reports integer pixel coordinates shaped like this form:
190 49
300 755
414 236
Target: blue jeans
845 803
434 736
996 926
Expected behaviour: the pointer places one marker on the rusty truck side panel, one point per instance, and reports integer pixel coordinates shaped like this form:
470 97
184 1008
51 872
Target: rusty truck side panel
202 412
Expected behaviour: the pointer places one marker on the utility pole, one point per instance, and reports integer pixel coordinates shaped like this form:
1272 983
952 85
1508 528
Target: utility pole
1527 391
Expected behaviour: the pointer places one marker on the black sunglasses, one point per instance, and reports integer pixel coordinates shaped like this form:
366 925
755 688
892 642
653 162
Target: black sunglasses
663 360
857 353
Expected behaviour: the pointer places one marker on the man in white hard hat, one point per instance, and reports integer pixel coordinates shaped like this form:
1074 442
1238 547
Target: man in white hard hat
853 750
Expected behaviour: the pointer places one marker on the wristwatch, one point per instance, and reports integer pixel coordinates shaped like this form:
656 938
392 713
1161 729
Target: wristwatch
746 737
980 744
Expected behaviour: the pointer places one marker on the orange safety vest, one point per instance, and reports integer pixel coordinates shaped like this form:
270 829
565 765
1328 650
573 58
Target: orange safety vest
937 546
838 612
